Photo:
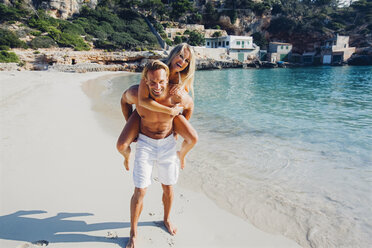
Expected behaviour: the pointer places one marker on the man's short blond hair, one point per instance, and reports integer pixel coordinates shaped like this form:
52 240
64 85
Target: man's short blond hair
154 65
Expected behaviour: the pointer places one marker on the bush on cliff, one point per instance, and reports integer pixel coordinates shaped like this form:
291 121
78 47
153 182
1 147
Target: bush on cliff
42 42
115 31
10 13
64 33
8 38
8 57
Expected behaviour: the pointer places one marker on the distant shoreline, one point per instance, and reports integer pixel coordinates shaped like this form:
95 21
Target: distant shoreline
68 60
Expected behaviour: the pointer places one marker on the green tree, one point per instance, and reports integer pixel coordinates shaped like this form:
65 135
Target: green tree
196 39
282 24
180 8
259 39
217 34
210 16
177 40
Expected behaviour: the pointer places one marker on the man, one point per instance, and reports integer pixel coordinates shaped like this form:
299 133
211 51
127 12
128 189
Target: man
156 144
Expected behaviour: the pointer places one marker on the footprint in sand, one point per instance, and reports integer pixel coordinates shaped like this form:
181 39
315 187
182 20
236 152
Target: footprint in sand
111 235
42 243
36 244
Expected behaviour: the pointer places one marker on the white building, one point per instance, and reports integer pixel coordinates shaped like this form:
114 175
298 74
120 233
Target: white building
230 42
237 47
279 51
337 50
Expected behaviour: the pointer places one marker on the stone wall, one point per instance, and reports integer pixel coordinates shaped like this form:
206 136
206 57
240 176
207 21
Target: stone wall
211 53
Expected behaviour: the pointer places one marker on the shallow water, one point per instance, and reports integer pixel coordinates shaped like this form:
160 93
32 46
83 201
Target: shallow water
287 149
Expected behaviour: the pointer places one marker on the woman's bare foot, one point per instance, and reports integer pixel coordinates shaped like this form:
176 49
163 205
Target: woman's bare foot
131 243
182 160
171 229
126 154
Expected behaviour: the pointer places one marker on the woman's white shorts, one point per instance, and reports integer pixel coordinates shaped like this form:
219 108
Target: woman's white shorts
155 152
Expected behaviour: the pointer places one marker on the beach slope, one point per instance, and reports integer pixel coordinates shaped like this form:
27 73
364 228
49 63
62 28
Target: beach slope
63 184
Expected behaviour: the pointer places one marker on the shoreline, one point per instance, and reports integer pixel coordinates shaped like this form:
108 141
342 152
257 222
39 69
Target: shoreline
60 167
67 60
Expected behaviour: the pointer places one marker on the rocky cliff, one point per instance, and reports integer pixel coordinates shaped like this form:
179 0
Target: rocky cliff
62 9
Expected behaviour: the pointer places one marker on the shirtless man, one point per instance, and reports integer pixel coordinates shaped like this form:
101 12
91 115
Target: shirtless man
156 144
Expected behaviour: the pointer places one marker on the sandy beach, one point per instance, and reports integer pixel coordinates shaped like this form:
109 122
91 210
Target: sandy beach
63 183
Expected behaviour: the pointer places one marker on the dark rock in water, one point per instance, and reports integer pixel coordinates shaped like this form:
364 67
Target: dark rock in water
360 60
253 64
339 63
266 64
209 64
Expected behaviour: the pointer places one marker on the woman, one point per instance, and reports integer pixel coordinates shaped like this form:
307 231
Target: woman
181 63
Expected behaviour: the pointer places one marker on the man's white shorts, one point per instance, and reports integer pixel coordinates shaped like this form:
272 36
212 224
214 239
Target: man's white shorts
155 152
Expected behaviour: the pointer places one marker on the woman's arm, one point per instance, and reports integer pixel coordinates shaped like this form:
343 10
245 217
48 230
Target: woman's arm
145 101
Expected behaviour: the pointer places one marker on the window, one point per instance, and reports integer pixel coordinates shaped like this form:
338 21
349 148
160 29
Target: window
334 42
238 42
207 43
282 47
219 43
223 43
227 43
345 46
286 47
169 35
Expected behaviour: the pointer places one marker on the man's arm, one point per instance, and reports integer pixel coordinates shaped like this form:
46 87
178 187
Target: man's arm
129 98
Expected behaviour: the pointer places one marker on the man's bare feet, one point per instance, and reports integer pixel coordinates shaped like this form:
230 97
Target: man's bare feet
171 229
126 154
131 243
182 160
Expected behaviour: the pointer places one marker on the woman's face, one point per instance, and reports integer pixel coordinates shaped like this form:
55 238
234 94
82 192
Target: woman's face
180 62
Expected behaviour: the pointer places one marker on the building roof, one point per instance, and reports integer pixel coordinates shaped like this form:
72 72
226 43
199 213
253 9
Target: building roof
280 43
225 36
309 54
209 32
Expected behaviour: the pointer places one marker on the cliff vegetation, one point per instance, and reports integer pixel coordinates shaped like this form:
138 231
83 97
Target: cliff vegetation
117 25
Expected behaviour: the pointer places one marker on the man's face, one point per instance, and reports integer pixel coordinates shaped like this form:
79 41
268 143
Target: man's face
157 82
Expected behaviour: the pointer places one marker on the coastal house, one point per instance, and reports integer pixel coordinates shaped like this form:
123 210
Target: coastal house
308 58
336 50
279 51
237 47
296 58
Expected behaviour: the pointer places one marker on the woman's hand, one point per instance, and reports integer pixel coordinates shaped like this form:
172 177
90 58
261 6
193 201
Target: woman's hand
175 89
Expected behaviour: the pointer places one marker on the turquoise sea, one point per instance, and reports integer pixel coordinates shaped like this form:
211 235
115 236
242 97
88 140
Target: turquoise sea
287 149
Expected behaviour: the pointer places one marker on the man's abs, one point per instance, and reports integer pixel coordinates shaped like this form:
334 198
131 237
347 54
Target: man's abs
156 130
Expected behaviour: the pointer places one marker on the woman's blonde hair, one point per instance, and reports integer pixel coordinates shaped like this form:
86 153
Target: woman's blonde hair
187 75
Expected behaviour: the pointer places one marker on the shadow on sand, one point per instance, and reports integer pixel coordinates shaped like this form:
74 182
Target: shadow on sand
20 227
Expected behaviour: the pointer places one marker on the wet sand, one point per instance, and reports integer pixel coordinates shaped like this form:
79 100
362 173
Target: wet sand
63 183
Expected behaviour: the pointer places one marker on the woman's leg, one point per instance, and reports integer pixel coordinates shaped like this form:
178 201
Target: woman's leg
127 136
183 127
